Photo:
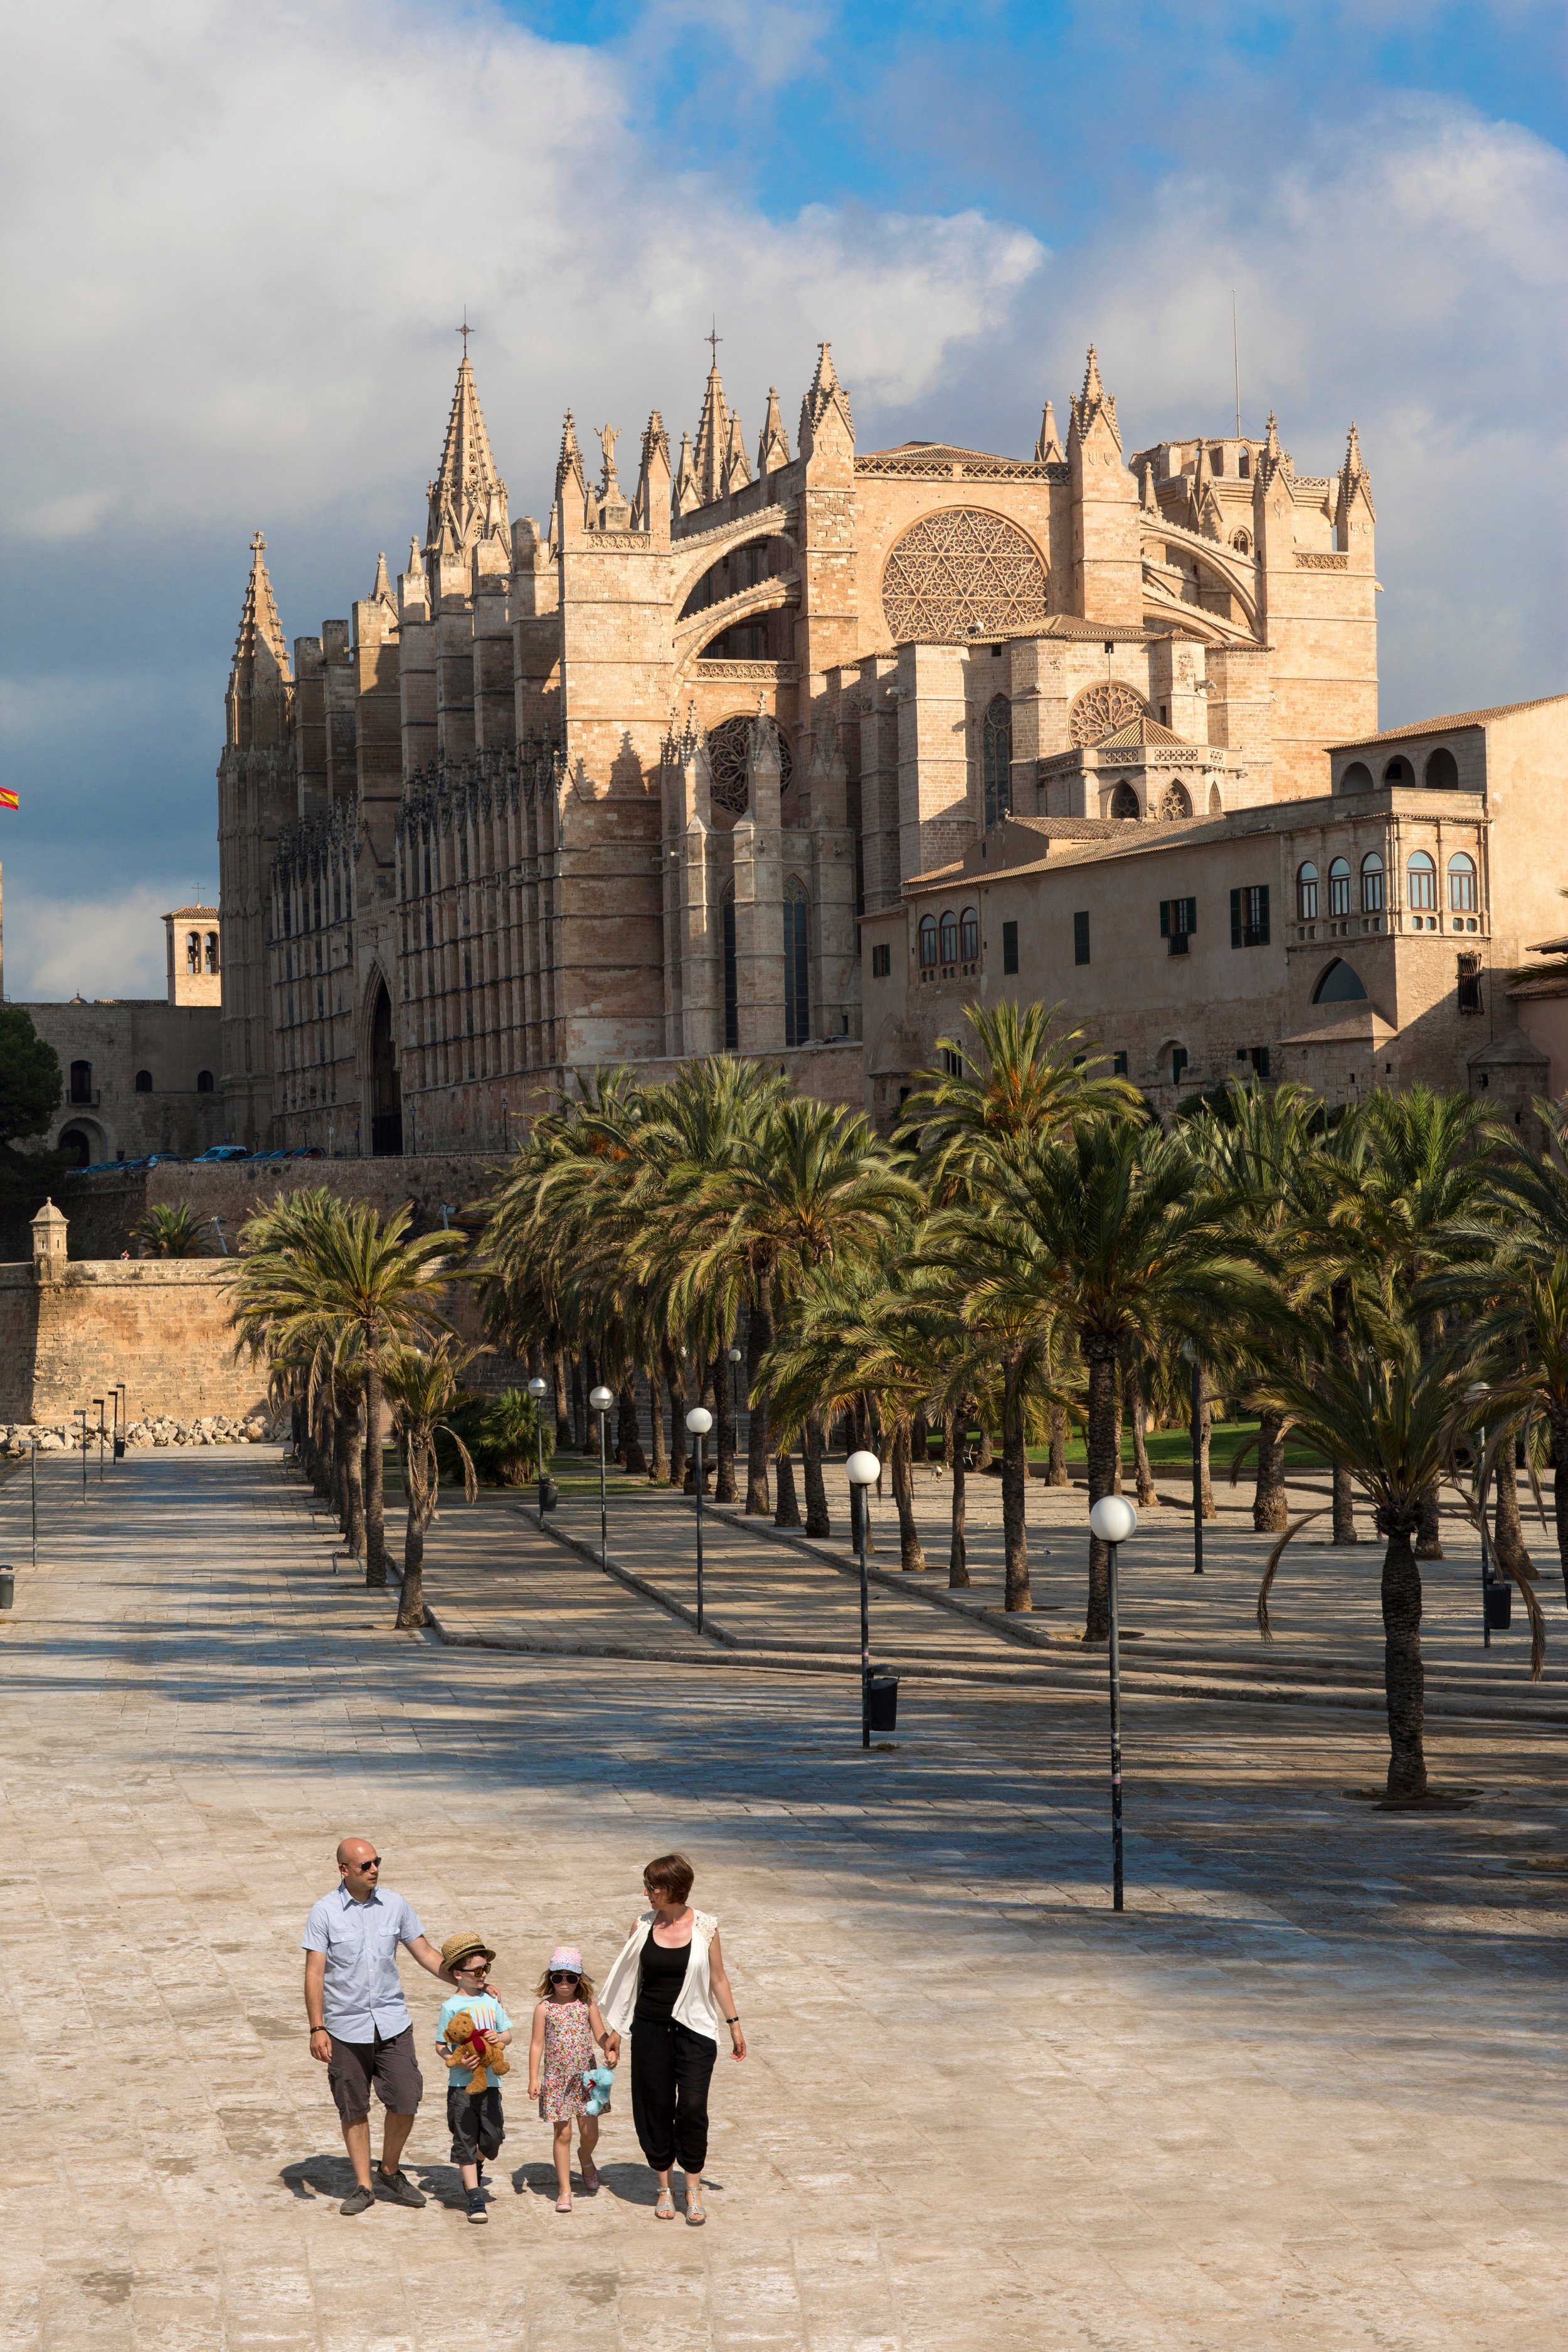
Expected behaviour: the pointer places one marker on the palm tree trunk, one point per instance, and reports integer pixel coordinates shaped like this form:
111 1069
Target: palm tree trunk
817 1522
920 1439
630 1433
1014 1480
321 1453
660 1474
563 1418
336 1427
674 1383
1344 1492
957 1550
591 1378
1057 1471
1269 1516
411 1604
1403 1678
374 1484
1140 1411
724 1417
987 1453
911 1552
1104 1420
787 1511
1557 1416
353 1500
759 1340
1429 1541
1508 1528
1206 1435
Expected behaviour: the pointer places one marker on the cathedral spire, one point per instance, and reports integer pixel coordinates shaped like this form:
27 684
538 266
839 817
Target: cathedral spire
713 441
380 590
737 472
773 448
569 465
467 498
1151 502
258 622
684 495
1048 448
825 396
1093 402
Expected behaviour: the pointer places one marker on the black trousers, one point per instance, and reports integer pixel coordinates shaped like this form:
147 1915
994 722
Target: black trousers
671 2069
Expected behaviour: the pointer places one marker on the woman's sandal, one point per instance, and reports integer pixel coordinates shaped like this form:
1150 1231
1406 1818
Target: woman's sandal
564 2202
695 2214
663 2207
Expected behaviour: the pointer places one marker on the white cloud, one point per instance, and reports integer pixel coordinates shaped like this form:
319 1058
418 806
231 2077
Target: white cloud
112 946
243 236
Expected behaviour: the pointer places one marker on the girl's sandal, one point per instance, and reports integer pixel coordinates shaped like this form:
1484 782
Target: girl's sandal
590 2176
563 2203
663 2208
695 2215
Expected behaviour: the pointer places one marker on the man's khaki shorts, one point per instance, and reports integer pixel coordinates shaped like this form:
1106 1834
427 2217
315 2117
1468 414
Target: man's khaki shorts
389 2068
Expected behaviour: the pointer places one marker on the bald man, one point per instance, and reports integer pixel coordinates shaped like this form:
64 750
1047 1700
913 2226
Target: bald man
359 2027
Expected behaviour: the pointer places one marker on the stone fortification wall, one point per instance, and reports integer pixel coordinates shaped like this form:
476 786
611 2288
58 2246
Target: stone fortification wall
69 1334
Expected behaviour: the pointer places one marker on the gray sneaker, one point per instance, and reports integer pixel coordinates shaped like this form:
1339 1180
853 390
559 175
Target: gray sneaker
358 2201
397 2189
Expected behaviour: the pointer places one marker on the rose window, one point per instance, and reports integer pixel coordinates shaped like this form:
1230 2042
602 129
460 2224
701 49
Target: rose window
729 748
961 574
1100 711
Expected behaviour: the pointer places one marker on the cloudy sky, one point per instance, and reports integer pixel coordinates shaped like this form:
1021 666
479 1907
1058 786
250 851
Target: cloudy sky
239 234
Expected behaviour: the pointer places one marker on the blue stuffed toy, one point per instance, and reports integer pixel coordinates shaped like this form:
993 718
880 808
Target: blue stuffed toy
601 2083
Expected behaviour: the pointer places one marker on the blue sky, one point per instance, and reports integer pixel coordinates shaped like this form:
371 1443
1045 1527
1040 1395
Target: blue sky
238 237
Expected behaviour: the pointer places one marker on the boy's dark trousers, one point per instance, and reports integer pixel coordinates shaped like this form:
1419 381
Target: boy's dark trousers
671 2069
477 2125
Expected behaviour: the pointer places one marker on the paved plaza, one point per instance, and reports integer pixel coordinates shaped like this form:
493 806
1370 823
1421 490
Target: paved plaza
1307 2091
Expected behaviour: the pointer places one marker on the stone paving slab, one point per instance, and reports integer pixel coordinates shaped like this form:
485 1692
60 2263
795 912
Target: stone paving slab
1306 2092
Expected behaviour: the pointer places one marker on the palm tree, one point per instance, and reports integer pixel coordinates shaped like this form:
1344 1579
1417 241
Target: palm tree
1391 1414
1110 1229
168 1231
318 1265
1013 1079
422 1387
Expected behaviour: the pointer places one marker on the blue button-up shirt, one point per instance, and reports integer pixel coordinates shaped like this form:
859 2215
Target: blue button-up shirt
364 1994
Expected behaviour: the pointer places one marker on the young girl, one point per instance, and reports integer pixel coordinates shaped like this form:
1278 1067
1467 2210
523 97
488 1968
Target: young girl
566 2024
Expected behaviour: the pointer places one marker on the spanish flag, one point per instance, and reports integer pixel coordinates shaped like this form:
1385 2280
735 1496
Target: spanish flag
9 798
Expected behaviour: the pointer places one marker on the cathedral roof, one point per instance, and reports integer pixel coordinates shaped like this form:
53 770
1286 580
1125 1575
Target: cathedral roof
1140 730
1442 726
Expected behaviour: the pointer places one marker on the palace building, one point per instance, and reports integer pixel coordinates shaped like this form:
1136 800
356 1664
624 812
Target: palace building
795 752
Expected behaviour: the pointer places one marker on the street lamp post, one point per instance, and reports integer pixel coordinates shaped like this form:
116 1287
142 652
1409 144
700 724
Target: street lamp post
102 1432
1472 1396
1190 1354
34 1503
121 1421
537 1391
602 1399
735 1385
1113 1519
81 1416
864 1472
698 1420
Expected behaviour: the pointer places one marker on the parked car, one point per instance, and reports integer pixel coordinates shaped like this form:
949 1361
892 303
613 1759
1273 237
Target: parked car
222 1151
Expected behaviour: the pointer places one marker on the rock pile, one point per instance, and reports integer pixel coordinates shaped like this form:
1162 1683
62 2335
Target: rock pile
215 1429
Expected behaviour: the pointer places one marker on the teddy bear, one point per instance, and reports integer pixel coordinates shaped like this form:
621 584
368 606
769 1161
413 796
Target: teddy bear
473 2047
601 2083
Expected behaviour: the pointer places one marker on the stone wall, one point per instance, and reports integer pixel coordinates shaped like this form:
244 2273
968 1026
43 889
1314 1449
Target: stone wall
162 1327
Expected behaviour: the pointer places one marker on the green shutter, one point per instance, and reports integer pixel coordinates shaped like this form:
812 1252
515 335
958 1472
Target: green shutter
1192 915
1236 919
1164 919
1263 916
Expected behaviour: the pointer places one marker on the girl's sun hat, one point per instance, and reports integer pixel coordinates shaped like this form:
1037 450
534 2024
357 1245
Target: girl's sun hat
567 1956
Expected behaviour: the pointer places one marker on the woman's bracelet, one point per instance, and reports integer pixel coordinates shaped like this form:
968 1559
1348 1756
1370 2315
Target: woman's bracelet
732 2021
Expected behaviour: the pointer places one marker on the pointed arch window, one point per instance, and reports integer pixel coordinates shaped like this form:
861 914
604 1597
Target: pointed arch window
797 964
997 760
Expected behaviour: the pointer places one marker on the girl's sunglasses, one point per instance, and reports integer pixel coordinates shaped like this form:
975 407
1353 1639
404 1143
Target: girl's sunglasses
563 1976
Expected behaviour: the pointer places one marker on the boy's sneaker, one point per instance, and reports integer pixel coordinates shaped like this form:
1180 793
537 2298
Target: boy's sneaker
358 2201
477 2206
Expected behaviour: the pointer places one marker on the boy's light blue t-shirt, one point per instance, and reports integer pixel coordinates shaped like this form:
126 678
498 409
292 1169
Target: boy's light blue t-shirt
486 2012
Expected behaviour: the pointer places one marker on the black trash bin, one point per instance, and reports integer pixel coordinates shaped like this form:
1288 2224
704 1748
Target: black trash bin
1500 1607
120 1449
882 1701
549 1495
8 1587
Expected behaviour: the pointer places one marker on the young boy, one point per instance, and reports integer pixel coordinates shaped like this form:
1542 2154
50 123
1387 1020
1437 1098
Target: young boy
473 2116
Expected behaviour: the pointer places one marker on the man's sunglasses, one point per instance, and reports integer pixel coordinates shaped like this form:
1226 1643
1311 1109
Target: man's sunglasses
374 1861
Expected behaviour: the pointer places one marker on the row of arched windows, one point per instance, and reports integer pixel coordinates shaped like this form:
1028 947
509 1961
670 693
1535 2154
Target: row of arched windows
1421 883
205 1083
199 955
953 939
1441 774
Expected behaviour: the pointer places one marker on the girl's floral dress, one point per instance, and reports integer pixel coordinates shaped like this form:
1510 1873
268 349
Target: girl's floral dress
568 2051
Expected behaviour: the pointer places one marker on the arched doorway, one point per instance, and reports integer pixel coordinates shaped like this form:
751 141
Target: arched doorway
386 1087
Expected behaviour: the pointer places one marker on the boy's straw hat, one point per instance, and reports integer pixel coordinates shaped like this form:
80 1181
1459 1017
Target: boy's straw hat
464 1946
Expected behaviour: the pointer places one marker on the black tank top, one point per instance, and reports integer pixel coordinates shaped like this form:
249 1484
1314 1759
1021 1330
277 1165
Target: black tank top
662 1975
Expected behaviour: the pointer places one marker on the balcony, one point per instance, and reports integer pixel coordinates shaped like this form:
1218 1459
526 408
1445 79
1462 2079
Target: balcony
1177 942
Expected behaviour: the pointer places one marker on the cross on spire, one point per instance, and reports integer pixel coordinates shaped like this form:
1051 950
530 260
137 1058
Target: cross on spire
257 543
713 340
465 330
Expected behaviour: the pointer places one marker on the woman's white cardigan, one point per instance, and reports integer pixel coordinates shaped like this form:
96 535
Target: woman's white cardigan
695 2006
